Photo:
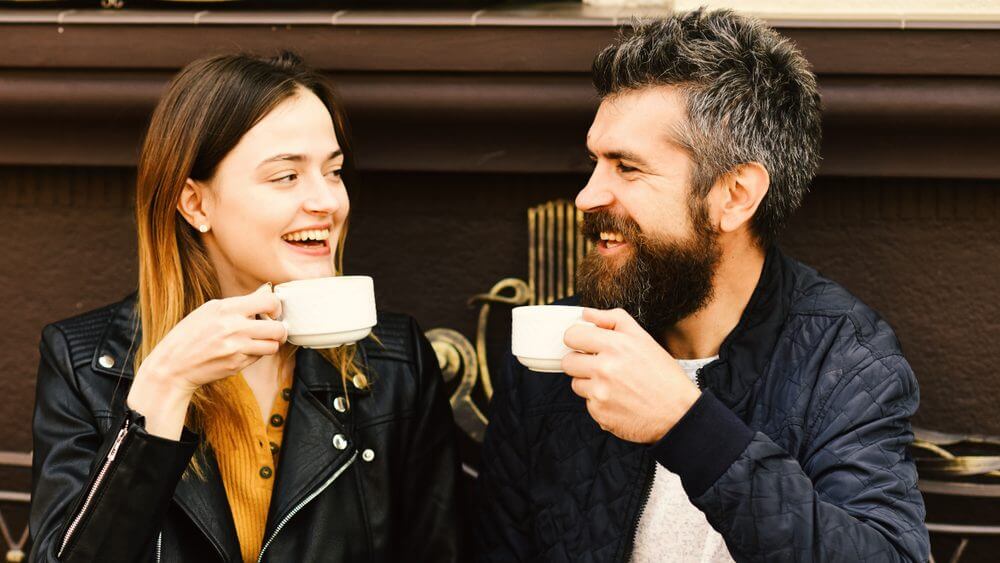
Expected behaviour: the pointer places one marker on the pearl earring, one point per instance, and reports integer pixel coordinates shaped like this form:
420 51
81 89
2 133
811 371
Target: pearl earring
203 228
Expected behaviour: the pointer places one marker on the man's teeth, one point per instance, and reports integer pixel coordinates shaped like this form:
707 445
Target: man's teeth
613 237
309 234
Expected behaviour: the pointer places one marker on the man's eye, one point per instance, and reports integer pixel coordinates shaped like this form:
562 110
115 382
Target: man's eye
623 168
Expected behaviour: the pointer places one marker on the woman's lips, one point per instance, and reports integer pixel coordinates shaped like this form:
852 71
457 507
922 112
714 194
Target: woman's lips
310 249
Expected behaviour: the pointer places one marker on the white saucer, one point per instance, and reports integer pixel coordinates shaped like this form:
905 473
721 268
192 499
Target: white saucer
329 339
542 365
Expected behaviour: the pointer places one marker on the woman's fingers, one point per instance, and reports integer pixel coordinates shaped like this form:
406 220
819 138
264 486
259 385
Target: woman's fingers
266 330
262 301
258 348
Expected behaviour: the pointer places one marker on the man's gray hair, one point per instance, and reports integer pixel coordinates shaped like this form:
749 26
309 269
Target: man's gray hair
749 93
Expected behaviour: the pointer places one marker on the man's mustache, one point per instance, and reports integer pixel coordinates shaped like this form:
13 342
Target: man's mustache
597 222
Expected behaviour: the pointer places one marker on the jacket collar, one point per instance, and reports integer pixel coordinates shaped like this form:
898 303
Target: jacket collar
745 354
119 342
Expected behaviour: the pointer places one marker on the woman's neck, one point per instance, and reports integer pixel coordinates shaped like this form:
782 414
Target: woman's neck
265 376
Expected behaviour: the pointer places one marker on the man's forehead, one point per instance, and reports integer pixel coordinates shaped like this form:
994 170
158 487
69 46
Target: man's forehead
638 120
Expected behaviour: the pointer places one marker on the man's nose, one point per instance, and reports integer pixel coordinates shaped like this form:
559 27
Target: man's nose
596 193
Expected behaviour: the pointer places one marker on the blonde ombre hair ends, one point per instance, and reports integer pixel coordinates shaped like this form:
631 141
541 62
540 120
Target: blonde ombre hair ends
205 111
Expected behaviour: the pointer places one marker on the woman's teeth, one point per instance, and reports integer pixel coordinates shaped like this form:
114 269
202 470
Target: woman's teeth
308 235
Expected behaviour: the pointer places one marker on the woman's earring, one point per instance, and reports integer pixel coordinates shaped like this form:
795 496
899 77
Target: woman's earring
203 228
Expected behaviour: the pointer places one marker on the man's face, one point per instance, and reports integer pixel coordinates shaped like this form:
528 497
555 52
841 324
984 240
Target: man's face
656 249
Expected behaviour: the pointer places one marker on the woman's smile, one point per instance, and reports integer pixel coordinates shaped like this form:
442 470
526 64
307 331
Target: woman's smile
311 241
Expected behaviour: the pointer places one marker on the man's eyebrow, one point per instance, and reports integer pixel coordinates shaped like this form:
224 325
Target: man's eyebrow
623 154
298 157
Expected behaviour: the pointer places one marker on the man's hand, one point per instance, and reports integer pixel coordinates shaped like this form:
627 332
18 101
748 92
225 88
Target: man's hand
634 388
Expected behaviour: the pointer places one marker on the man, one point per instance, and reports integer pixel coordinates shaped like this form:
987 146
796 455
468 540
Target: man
730 403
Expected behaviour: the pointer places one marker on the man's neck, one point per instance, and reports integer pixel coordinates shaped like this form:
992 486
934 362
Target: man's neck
701 334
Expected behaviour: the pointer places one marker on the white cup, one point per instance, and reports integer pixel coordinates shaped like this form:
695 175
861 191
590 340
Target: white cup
327 312
537 333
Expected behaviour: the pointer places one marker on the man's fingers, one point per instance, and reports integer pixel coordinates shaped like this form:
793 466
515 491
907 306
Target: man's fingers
581 386
578 365
586 338
617 320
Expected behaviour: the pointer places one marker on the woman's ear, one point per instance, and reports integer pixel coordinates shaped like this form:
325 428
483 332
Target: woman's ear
193 205
744 190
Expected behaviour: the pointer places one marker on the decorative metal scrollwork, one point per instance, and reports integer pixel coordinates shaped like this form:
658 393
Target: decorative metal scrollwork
555 247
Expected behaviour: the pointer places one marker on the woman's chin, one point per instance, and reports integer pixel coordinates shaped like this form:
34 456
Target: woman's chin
304 273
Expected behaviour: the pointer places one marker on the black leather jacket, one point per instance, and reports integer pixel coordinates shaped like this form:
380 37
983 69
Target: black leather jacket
117 493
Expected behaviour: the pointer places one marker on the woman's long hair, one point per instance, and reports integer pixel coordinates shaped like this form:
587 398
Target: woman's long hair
208 107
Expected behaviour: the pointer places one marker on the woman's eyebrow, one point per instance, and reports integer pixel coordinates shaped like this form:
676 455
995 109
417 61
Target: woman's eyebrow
297 157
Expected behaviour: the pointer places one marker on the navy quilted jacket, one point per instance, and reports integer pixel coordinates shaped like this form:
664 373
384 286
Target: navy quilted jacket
796 450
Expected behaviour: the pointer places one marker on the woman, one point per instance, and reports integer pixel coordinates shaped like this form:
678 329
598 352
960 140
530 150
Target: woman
178 425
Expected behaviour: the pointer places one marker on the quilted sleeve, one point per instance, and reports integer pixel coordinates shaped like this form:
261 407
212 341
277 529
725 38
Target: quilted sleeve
502 530
852 495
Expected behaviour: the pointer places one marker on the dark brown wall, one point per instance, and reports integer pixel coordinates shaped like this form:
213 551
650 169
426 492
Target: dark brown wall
924 253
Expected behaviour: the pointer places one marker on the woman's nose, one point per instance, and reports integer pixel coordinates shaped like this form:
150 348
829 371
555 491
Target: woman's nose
322 198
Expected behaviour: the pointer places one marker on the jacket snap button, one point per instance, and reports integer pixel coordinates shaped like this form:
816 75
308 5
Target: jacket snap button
340 404
106 361
368 455
340 442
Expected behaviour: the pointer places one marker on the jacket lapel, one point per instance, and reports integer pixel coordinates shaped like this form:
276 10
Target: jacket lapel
204 501
308 456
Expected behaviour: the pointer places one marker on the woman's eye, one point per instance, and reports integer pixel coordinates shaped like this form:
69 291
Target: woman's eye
287 178
335 173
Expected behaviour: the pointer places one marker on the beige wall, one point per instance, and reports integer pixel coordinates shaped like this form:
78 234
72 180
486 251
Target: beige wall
969 8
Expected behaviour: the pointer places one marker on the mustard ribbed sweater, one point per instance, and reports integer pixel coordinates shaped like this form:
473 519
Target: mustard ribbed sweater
247 450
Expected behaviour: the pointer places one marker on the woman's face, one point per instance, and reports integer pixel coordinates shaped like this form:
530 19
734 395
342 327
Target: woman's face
277 203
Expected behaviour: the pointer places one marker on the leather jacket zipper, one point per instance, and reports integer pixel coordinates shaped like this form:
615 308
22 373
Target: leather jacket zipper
304 502
101 475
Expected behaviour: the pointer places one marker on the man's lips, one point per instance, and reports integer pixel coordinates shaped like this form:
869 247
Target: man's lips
609 247
610 242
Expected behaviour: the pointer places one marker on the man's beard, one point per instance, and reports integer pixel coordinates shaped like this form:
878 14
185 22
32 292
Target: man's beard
662 282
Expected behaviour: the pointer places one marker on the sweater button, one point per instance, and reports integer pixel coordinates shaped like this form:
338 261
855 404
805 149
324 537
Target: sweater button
106 361
340 404
286 394
265 472
368 454
277 420
340 442
274 448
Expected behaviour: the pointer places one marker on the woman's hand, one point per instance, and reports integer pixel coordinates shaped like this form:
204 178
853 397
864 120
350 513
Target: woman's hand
215 341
